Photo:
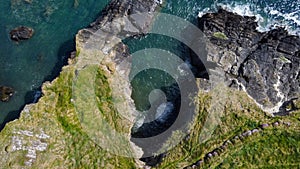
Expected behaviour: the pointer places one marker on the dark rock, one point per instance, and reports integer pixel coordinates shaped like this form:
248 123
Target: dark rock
6 93
241 137
223 147
21 33
199 163
266 64
235 140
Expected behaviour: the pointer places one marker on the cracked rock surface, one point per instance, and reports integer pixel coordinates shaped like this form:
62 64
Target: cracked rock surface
264 64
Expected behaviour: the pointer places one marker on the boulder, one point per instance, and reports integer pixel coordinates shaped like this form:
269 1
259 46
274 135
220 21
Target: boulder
6 93
199 163
263 126
255 131
21 33
275 124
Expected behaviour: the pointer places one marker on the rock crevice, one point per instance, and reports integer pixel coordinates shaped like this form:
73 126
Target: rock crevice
265 64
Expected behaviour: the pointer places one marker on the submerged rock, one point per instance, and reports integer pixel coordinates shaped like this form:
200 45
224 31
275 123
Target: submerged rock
21 33
6 93
264 64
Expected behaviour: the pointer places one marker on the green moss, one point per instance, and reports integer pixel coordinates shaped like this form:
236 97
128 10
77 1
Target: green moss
220 35
284 59
68 146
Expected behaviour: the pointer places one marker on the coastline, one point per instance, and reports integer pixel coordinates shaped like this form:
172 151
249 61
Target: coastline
51 117
49 125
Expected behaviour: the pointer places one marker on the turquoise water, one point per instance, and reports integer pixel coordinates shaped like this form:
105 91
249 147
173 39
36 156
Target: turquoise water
269 13
26 65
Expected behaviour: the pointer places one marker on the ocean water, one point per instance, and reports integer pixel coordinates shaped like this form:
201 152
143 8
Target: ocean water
26 65
269 14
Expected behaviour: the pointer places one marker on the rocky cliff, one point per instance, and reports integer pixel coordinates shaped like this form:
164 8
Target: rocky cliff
50 134
264 64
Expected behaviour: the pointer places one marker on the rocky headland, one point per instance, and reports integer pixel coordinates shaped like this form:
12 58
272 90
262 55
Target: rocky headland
45 133
264 65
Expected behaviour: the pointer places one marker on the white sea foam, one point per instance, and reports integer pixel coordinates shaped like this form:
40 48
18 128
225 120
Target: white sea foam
203 12
163 111
273 18
284 20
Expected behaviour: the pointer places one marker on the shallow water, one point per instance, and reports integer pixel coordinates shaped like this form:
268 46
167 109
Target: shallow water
26 65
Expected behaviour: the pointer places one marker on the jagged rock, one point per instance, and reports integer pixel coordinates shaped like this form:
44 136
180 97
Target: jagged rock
6 93
104 36
266 65
21 33
116 60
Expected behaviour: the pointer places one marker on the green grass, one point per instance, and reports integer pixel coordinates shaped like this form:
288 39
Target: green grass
284 59
69 146
266 149
220 35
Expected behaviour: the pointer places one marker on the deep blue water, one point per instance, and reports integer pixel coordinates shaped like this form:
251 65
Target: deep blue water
26 65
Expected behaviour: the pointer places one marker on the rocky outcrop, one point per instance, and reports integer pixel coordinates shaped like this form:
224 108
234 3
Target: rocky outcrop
21 33
56 112
264 64
6 93
102 44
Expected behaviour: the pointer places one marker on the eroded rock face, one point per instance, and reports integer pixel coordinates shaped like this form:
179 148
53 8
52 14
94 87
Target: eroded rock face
22 138
101 43
6 93
21 33
265 65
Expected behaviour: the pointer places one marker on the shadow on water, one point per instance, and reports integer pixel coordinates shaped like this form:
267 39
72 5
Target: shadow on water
173 94
33 96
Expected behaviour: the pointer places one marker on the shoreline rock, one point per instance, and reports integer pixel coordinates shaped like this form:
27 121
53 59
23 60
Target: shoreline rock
265 65
21 33
114 64
6 93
